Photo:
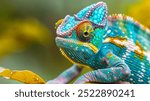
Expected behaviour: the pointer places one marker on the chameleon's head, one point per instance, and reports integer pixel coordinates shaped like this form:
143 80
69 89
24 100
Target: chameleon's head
79 37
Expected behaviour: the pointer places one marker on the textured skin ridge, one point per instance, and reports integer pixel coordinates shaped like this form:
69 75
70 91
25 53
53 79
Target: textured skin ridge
128 18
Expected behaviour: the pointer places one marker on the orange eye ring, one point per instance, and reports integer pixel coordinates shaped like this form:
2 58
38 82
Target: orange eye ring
84 31
83 26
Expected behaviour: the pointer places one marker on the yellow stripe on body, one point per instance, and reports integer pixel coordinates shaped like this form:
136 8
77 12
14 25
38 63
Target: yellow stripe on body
123 42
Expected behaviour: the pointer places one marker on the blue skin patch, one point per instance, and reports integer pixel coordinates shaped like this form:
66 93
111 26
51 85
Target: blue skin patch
81 14
70 22
95 13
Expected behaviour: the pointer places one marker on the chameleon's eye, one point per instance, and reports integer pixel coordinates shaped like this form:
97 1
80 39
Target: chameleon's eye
84 31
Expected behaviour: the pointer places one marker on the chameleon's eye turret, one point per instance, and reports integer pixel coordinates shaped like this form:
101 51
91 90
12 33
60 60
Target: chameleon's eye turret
84 31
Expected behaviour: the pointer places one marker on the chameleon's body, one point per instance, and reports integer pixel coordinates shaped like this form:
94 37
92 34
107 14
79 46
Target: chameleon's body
115 47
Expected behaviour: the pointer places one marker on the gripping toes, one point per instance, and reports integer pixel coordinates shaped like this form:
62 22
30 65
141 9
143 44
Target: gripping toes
110 75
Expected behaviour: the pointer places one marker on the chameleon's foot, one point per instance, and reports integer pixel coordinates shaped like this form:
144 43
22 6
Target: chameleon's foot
109 75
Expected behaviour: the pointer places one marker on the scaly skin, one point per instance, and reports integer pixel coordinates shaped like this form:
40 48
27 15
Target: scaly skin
116 47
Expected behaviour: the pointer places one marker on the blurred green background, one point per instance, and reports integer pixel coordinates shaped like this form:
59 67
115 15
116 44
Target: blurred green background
27 34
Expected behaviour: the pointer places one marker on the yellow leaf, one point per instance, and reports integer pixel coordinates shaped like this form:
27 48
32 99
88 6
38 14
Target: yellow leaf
24 76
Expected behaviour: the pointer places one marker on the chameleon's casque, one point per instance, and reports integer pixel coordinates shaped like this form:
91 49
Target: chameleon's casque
80 36
116 47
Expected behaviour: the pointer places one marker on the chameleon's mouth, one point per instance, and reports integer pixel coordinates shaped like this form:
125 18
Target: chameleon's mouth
76 45
76 51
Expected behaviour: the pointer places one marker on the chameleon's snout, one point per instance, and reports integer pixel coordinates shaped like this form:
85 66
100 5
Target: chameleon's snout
76 45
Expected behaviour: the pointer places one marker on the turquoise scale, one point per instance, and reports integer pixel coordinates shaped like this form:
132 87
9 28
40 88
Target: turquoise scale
81 14
140 74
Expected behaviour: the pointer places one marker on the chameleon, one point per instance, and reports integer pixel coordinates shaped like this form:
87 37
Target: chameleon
116 47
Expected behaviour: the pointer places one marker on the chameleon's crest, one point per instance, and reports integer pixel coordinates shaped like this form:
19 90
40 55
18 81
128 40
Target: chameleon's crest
95 13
